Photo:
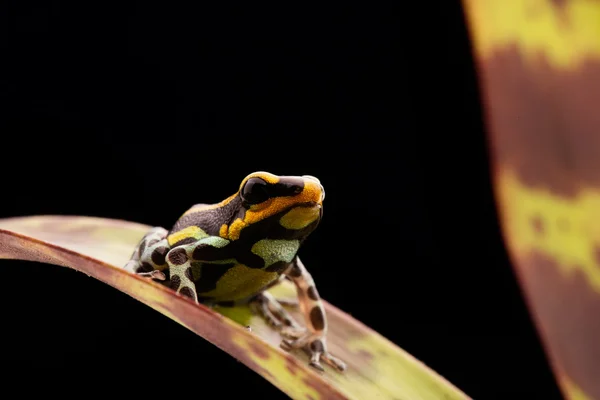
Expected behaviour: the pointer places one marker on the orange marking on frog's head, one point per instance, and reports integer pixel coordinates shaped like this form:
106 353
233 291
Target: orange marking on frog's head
265 195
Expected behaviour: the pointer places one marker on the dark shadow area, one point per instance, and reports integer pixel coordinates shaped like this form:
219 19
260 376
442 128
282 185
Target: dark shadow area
139 111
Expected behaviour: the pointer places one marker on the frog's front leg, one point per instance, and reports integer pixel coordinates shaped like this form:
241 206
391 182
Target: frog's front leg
148 258
180 271
180 259
313 338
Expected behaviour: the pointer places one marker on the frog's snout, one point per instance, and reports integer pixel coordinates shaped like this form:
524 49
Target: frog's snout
314 184
322 193
314 178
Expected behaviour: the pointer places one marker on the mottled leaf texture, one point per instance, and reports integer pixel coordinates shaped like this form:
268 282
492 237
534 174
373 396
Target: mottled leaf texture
377 369
539 71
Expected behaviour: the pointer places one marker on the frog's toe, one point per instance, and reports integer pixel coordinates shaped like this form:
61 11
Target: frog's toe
334 362
293 332
265 305
316 365
289 303
287 345
156 274
316 350
260 308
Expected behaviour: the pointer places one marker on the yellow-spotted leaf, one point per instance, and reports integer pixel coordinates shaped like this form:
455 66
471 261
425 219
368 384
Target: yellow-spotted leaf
539 71
377 369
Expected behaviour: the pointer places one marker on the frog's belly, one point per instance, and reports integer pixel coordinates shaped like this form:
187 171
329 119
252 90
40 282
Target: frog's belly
235 283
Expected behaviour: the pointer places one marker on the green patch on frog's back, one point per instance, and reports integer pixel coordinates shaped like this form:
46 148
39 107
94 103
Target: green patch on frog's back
274 250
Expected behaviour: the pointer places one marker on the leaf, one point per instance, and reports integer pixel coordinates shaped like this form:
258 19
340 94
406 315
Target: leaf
377 369
539 70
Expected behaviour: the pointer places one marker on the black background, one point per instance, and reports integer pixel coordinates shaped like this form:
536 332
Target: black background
138 111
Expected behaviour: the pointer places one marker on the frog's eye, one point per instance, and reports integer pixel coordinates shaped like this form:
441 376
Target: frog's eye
255 191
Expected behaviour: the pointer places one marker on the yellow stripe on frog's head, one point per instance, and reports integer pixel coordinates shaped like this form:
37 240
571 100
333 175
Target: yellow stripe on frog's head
266 176
265 194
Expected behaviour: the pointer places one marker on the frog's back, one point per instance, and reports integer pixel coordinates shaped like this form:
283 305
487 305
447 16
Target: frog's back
236 276
203 220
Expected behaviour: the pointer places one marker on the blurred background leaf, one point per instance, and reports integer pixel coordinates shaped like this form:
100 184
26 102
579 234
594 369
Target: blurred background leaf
539 69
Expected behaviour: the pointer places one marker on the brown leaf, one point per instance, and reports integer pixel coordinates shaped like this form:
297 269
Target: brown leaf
377 369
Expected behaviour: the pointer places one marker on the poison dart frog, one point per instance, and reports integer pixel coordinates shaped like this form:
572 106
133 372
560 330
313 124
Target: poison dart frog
230 253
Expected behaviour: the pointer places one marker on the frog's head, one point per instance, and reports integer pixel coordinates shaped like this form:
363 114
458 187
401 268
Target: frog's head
284 206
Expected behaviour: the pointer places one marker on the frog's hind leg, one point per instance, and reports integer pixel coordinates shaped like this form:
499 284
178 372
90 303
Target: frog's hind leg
148 258
313 338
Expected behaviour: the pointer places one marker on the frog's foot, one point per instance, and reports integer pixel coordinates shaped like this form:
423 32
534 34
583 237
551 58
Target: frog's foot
293 332
265 305
289 303
316 348
156 274
260 307
148 258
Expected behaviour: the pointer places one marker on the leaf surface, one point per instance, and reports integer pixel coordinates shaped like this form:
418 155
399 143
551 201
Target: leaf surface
377 368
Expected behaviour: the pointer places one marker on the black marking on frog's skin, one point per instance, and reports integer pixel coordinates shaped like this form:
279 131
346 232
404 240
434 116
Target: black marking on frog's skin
205 252
295 271
158 255
210 220
187 292
287 186
184 241
317 346
142 247
178 256
175 282
146 267
284 187
188 274
312 293
250 259
317 319
278 266
210 275
270 228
